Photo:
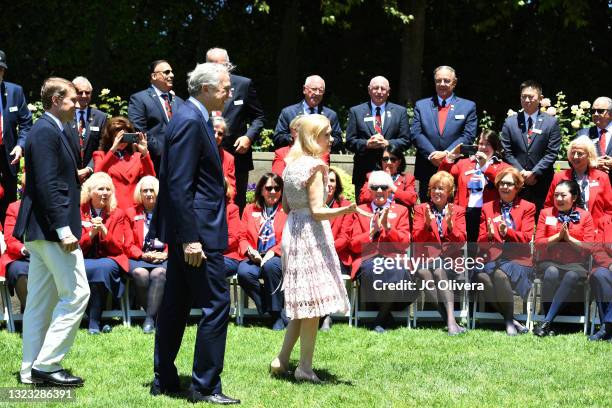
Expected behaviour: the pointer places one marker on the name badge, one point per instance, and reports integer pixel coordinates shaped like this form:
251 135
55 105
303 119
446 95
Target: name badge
391 215
238 102
13 109
388 114
94 128
256 214
469 172
459 117
594 183
537 131
551 220
368 119
86 224
139 217
497 219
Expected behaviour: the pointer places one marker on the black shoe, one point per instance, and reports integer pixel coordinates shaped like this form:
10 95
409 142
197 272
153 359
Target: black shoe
148 327
602 334
156 390
59 378
107 329
196 396
543 330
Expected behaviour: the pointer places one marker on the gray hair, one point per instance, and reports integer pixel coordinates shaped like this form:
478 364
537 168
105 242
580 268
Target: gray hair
82 80
219 120
204 74
441 67
312 78
606 99
217 50
380 178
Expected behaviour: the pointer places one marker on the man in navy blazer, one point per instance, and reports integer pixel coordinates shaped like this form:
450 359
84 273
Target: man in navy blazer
14 127
242 108
531 140
440 123
49 223
601 132
86 127
190 217
372 126
314 90
151 109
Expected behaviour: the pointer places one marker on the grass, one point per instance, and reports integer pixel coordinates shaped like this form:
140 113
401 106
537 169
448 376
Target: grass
400 368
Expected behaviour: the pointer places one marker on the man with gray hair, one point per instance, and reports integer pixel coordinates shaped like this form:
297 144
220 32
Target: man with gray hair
242 109
85 128
440 123
601 132
190 218
314 90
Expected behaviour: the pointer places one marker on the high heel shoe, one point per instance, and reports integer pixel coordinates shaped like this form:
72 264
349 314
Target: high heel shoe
301 375
277 369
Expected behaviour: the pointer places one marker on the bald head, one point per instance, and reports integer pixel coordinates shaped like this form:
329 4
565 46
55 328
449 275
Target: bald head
379 90
219 56
602 111
314 89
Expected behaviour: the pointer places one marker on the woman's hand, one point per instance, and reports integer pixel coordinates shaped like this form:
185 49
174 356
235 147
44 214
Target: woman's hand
482 158
503 229
98 225
254 256
428 218
448 218
142 145
117 141
490 229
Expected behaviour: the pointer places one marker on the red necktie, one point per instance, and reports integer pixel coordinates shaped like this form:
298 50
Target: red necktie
602 142
167 105
442 115
1 125
378 121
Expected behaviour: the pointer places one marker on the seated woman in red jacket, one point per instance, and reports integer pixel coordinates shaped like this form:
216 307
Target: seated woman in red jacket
260 239
597 197
126 163
104 232
563 239
506 229
393 162
227 159
148 256
475 178
376 241
232 256
278 163
15 261
439 232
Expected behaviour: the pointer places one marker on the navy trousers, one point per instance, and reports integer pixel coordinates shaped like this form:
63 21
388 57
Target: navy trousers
601 282
267 297
231 266
184 285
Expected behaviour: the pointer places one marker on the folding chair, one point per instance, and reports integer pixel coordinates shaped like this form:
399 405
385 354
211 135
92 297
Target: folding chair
6 312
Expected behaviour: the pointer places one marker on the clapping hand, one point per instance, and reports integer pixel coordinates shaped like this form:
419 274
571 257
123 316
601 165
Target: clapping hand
503 229
490 229
97 227
384 219
428 217
448 218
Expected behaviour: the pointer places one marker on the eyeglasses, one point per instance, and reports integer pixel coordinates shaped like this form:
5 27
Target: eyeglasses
272 188
381 187
86 93
389 159
507 183
598 111
166 72
317 90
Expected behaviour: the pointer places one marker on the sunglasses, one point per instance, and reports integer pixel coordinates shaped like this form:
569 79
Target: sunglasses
166 72
381 187
598 111
272 188
389 159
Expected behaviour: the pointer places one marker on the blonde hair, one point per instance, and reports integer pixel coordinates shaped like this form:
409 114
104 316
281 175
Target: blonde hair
311 128
94 182
444 178
138 195
587 144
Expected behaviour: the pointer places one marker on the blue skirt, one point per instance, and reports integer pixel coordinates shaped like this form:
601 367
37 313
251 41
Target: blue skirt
106 271
14 271
521 277
147 265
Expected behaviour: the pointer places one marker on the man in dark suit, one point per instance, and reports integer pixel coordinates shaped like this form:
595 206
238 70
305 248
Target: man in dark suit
314 89
372 126
190 217
531 140
440 123
49 222
240 109
85 128
150 110
15 123
601 132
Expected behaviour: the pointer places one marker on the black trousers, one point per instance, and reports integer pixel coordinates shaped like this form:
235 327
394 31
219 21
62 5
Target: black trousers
8 181
208 287
242 179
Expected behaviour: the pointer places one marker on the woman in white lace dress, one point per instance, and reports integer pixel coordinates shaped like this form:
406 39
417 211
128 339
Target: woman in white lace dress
312 280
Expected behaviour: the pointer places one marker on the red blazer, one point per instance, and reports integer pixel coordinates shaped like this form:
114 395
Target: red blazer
229 169
523 216
405 194
13 245
449 244
133 242
462 172
252 221
600 194
603 250
341 229
363 248
114 244
563 252
234 227
278 163
125 173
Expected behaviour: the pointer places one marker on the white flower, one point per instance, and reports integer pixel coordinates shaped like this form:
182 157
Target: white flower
585 105
104 91
574 108
32 108
545 103
551 111
510 113
575 124
580 112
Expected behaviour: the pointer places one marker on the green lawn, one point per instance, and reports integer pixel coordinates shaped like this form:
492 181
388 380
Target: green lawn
418 367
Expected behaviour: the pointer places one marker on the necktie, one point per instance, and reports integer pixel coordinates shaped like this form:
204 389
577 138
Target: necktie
584 184
505 210
569 216
267 236
444 103
602 142
439 216
82 131
529 131
378 121
442 115
167 105
1 125
312 111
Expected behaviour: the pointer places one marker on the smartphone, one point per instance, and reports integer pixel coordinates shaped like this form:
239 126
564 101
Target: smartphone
129 138
468 150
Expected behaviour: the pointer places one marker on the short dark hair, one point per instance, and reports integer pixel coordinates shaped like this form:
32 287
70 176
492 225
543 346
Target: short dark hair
492 137
111 128
397 152
260 185
339 187
155 63
532 84
574 190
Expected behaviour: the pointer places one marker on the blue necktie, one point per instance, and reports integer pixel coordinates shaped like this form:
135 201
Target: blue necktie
569 216
505 210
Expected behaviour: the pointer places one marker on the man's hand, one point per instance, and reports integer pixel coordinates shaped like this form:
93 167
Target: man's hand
437 157
530 177
604 163
194 254
84 174
70 243
374 141
17 152
503 229
242 144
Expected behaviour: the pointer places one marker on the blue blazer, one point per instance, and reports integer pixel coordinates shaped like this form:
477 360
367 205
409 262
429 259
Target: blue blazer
96 120
52 192
593 133
461 125
242 109
147 114
15 113
191 201
282 135
359 129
